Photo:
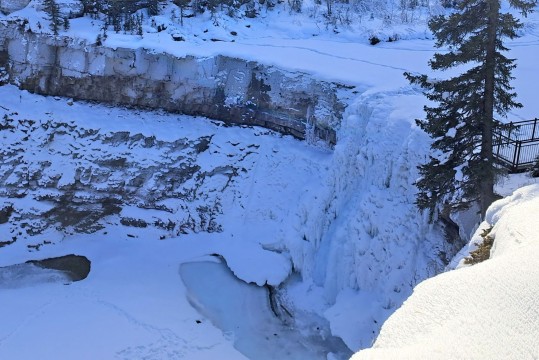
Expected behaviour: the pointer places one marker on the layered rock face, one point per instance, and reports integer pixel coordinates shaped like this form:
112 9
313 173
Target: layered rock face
224 88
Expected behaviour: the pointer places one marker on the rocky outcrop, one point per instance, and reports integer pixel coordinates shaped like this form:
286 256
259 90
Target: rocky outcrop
221 87
60 270
76 267
9 6
108 179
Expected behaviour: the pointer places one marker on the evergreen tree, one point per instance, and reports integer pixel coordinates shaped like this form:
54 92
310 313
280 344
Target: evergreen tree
53 14
153 7
115 11
138 24
182 4
93 7
462 169
65 23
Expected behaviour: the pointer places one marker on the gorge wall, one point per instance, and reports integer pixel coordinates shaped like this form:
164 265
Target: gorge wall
220 87
354 231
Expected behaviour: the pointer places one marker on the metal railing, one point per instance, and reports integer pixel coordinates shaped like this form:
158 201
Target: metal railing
516 145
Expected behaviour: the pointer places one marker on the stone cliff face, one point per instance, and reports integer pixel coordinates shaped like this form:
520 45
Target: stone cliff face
224 88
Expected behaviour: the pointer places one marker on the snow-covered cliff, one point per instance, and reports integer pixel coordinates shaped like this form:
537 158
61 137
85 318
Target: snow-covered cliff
219 87
178 214
327 230
277 210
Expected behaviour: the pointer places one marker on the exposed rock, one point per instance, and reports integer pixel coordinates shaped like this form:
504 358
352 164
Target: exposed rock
129 221
5 243
9 6
166 192
5 213
223 88
75 266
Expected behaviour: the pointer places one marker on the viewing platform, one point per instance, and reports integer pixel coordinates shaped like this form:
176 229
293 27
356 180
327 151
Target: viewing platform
516 145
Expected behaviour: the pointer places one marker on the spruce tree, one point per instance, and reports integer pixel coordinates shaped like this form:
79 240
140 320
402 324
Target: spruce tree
65 23
182 4
93 7
153 7
53 14
467 107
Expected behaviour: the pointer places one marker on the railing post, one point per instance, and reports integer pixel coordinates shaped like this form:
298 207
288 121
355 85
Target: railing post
525 139
519 146
515 152
510 128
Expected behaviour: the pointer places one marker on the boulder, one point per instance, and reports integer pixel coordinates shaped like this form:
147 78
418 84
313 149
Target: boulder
9 6
76 267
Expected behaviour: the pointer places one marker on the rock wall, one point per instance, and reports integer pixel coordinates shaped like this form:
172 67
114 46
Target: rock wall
223 88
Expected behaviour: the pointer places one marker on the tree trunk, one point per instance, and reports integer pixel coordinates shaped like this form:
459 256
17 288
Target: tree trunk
181 15
487 185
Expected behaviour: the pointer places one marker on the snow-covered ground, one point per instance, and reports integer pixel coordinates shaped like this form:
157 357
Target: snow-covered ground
331 238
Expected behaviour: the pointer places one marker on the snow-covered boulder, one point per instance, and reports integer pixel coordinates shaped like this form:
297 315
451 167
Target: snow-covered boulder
70 8
9 6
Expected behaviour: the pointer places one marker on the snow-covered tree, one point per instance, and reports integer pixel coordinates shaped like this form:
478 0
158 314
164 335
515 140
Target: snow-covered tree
92 7
461 170
153 7
182 4
53 13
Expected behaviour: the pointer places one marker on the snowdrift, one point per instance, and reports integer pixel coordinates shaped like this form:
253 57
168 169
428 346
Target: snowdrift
489 310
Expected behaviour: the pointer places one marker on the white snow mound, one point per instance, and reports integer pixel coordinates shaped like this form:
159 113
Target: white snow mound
486 311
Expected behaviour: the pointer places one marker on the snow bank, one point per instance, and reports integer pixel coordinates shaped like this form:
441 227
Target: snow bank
489 310
516 219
